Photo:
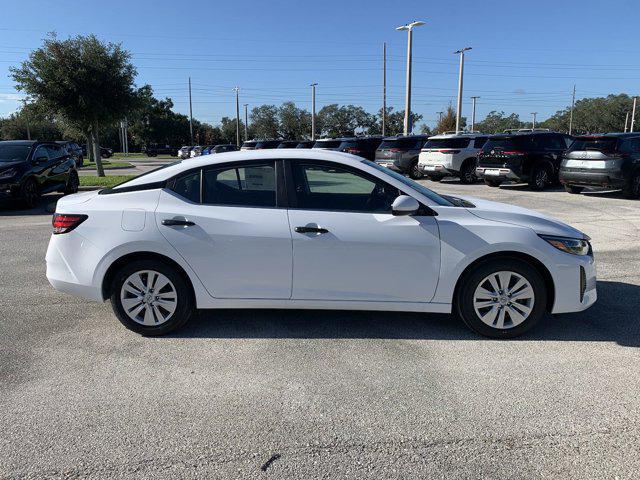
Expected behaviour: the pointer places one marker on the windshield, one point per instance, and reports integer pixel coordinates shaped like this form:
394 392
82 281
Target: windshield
521 142
430 194
447 143
327 143
598 144
14 153
403 143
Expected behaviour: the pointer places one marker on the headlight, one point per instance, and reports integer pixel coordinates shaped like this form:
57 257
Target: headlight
12 172
575 246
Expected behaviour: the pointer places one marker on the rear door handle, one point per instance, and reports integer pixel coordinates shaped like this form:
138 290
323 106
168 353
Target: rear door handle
311 230
176 222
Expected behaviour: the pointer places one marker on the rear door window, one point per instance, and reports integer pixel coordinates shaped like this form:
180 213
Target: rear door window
242 185
188 186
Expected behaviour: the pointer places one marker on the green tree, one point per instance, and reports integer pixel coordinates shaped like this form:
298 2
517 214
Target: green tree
293 122
394 122
498 122
264 122
29 122
88 83
344 121
593 115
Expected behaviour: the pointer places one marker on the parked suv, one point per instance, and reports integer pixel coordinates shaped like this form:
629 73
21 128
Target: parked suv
451 154
401 154
30 168
328 143
74 150
288 144
265 144
610 160
155 149
184 151
522 157
249 145
362 146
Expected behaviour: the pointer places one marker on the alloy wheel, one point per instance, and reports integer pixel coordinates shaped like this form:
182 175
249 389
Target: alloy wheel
541 178
503 300
148 297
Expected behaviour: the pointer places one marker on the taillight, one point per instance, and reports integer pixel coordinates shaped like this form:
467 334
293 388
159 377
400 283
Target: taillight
353 151
513 152
397 150
64 223
449 151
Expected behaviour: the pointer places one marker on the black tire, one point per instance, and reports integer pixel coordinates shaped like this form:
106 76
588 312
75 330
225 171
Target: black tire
414 171
632 187
464 305
492 183
185 303
73 183
573 189
80 162
468 172
30 193
540 178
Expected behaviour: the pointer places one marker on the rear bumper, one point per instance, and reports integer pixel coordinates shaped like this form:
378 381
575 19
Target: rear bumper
440 169
596 178
499 173
390 164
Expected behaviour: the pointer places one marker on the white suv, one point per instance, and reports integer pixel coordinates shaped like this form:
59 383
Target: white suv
451 154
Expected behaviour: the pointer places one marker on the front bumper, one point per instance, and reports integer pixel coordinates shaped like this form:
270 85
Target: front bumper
592 177
575 284
9 190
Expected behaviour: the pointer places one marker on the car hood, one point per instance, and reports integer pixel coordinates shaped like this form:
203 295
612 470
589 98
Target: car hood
7 165
505 213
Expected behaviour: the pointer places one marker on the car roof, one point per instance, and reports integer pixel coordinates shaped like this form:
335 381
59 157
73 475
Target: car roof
610 134
175 168
459 135
21 142
399 137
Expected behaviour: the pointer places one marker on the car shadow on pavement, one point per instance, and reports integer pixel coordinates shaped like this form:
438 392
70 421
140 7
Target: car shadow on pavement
525 186
614 318
13 208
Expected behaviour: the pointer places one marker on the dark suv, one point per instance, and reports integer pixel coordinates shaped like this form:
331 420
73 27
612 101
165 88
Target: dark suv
401 154
610 160
264 144
522 157
155 149
30 168
361 146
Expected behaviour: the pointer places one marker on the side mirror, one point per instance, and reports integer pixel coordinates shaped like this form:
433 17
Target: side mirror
405 205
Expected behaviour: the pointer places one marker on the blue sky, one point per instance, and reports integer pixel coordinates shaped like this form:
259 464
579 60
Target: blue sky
526 56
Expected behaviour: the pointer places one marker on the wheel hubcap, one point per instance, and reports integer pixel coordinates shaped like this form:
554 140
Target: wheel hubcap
542 178
148 297
503 300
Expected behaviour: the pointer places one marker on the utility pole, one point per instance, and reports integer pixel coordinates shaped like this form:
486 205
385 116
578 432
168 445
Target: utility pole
407 102
246 121
190 114
460 79
473 115
26 118
126 136
633 114
626 122
440 116
573 102
313 111
237 90
534 120
384 88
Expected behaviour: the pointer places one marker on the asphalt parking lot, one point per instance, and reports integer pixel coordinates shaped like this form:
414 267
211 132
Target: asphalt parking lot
273 394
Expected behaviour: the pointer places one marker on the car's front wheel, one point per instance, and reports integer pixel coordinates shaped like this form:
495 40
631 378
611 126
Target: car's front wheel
30 193
73 183
151 297
502 298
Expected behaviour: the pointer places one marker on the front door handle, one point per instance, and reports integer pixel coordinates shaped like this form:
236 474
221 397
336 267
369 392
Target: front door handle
176 222
311 230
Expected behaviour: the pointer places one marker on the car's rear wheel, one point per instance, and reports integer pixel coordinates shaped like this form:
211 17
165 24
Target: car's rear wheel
632 188
468 172
502 298
30 193
540 178
573 189
151 298
73 183
492 183
414 172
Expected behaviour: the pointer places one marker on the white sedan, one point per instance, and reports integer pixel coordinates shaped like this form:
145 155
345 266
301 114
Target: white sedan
312 229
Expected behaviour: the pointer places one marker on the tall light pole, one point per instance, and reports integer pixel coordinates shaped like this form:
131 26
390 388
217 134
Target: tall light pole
573 103
246 121
407 103
533 123
473 115
633 114
384 88
190 114
626 122
459 110
313 111
237 90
